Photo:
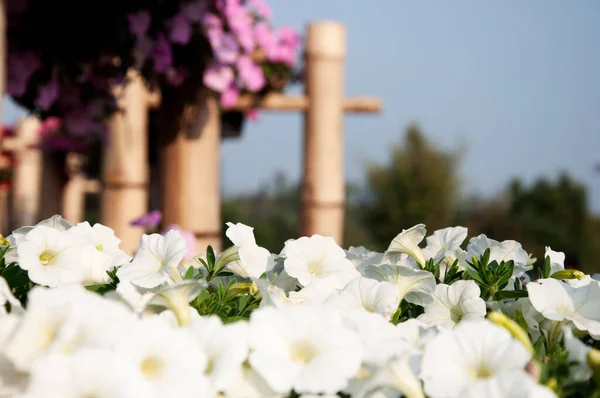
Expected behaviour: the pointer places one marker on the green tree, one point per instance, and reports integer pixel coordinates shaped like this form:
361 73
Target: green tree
419 185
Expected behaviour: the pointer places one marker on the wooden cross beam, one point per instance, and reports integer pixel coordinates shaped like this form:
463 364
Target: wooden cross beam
293 103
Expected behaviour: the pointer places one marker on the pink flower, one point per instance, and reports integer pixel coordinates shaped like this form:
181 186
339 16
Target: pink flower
240 22
262 8
139 23
190 240
227 49
212 21
181 30
49 126
195 10
252 114
218 77
230 97
265 38
47 94
251 74
20 67
161 54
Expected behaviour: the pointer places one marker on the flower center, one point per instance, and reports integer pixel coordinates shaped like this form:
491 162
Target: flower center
481 372
100 247
151 367
46 257
302 352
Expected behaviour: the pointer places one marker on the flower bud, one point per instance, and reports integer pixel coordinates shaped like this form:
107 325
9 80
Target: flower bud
593 360
568 274
4 242
513 328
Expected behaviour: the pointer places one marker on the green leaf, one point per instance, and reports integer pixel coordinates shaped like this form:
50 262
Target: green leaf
189 274
509 294
547 267
476 276
210 256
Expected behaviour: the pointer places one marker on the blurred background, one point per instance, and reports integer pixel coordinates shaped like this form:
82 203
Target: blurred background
490 120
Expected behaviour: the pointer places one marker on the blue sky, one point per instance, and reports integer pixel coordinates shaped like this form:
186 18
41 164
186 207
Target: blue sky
517 82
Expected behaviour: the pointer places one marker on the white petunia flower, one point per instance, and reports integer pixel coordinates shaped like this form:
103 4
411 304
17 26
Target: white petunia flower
315 293
444 242
87 373
416 286
406 243
511 384
51 257
304 348
578 352
364 294
226 348
95 265
137 299
18 236
170 360
453 304
559 301
248 259
418 333
103 239
176 298
557 263
456 360
318 258
536 322
250 385
362 258
500 251
156 261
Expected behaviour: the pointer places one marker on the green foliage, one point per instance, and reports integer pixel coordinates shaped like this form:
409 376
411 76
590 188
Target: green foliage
493 277
226 300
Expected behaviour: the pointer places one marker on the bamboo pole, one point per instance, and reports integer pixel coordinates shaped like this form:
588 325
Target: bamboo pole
27 185
125 168
281 102
73 196
323 186
190 166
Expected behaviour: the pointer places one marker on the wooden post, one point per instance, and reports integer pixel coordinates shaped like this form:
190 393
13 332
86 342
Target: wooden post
190 165
73 196
27 180
323 186
125 168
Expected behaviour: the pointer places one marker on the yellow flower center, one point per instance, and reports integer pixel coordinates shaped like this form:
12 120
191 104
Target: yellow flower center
46 257
151 367
100 247
302 352
481 372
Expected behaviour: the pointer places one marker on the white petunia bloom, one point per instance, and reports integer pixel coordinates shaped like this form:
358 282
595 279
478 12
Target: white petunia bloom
176 298
512 384
362 258
364 294
453 304
51 257
304 348
474 351
418 333
316 293
500 251
168 359
137 299
317 258
406 243
557 263
95 265
250 260
444 242
18 236
536 322
156 261
103 239
578 353
226 348
250 385
86 373
416 286
559 301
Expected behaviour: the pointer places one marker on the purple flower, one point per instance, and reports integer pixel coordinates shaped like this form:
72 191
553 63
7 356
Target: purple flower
181 30
20 68
49 126
230 96
190 240
161 54
139 23
195 10
262 8
218 77
149 221
240 22
47 94
227 49
212 21
251 74
266 38
78 122
143 49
